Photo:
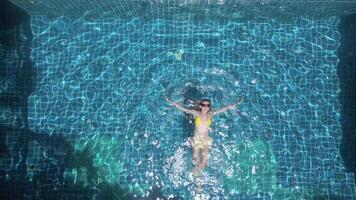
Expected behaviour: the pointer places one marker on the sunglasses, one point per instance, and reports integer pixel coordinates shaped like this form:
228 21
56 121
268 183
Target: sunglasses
204 105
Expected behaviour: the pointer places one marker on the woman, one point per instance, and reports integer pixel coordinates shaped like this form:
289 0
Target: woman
201 142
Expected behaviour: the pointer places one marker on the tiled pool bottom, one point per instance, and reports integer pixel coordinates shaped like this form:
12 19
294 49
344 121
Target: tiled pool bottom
99 99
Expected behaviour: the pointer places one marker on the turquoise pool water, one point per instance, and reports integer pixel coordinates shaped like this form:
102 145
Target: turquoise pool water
101 85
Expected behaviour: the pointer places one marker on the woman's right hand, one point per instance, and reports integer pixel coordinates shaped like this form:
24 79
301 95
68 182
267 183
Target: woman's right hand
168 100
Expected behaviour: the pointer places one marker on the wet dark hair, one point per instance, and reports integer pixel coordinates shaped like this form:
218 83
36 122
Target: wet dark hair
208 100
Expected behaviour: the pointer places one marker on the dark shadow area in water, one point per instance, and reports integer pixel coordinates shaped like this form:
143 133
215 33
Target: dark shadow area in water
34 181
11 18
12 184
347 75
10 15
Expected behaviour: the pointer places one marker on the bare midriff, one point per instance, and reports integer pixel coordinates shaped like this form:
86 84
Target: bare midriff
202 132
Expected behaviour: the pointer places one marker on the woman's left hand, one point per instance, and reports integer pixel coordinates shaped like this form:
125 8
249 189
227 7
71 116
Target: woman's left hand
240 100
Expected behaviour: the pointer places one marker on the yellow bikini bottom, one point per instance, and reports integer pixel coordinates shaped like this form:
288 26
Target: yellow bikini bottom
202 142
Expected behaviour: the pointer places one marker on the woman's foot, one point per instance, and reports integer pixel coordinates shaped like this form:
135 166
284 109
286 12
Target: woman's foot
198 190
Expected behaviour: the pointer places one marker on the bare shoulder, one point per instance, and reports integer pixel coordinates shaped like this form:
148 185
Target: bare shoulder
195 113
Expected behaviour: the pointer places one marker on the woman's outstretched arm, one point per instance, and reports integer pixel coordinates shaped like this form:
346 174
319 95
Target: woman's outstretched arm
180 107
231 106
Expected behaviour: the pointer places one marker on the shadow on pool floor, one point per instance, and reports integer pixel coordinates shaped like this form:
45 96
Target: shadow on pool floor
347 75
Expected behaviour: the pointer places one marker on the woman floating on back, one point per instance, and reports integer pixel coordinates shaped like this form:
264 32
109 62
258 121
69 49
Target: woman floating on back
201 141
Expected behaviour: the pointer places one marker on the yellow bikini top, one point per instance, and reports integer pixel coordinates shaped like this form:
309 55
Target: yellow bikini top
197 121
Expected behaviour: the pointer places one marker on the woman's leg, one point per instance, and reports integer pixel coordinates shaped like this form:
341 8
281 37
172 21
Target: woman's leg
197 164
205 156
196 157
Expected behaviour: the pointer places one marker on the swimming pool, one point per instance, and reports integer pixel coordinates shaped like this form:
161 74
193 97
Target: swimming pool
97 125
